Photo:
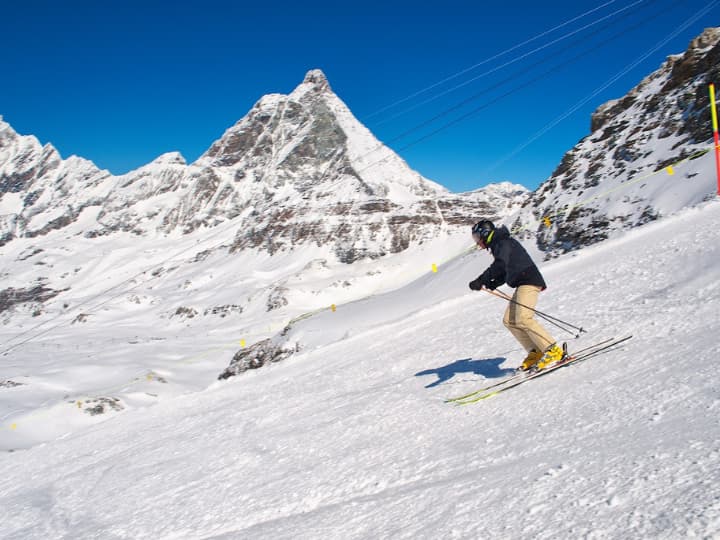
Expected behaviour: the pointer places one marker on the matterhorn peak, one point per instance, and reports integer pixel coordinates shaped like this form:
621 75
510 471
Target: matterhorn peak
316 78
314 84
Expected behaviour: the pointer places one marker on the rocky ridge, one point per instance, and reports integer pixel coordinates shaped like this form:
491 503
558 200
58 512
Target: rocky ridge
615 178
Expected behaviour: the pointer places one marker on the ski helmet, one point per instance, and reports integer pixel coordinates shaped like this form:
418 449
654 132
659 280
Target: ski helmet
483 231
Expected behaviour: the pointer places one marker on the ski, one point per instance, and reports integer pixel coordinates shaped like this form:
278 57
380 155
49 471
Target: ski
572 359
518 375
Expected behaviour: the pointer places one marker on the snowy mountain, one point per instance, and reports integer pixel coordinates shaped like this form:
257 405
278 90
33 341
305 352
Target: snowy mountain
39 191
298 170
271 216
639 162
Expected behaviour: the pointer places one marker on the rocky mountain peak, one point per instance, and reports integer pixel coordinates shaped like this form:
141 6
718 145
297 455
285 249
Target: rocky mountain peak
701 56
709 38
316 79
169 158
7 134
276 121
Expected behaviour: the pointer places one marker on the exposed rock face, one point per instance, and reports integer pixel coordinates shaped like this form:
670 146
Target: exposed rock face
11 297
317 179
100 405
255 357
298 170
606 182
39 191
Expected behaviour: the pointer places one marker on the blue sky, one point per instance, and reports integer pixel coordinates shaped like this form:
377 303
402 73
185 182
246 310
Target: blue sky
120 83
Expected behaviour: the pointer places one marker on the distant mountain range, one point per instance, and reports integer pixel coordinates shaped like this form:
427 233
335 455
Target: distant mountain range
297 170
300 178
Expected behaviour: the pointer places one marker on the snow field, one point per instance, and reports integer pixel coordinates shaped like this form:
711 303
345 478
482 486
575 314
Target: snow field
349 440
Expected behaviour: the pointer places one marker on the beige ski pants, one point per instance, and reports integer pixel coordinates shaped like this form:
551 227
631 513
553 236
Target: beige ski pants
519 320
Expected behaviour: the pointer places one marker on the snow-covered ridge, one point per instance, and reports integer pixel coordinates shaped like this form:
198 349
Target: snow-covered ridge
618 177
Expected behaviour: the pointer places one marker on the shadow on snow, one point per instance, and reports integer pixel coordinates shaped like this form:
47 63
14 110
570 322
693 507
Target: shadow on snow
488 368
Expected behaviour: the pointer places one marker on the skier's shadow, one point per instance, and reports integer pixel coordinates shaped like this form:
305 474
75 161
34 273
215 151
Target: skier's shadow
488 368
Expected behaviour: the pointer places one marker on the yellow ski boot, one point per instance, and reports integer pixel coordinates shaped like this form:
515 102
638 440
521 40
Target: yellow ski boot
552 356
531 359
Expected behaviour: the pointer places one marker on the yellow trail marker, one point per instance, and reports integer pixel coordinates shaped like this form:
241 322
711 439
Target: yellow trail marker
79 404
13 426
242 343
546 221
434 268
670 170
716 135
333 308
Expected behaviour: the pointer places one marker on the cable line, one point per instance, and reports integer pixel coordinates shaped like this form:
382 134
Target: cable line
511 78
490 59
513 90
478 95
604 87
510 62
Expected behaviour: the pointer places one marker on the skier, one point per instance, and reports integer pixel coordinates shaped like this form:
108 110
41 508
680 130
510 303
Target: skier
513 265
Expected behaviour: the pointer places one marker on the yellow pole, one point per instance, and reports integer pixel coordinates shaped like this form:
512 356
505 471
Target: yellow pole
713 108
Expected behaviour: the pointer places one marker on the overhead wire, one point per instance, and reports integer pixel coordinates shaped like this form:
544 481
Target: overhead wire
516 88
509 79
512 61
381 145
490 59
604 86
466 101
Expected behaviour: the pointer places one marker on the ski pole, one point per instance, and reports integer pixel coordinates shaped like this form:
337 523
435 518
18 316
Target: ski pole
548 318
555 322
545 316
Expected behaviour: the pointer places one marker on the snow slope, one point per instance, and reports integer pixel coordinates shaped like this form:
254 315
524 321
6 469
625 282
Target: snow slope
351 438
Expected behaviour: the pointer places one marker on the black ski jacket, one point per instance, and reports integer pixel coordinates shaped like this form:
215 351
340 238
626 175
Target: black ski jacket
512 264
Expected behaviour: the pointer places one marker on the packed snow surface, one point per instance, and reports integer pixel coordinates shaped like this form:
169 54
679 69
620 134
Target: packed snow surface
351 437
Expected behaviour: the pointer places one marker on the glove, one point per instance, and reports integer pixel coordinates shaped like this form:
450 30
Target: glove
476 284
